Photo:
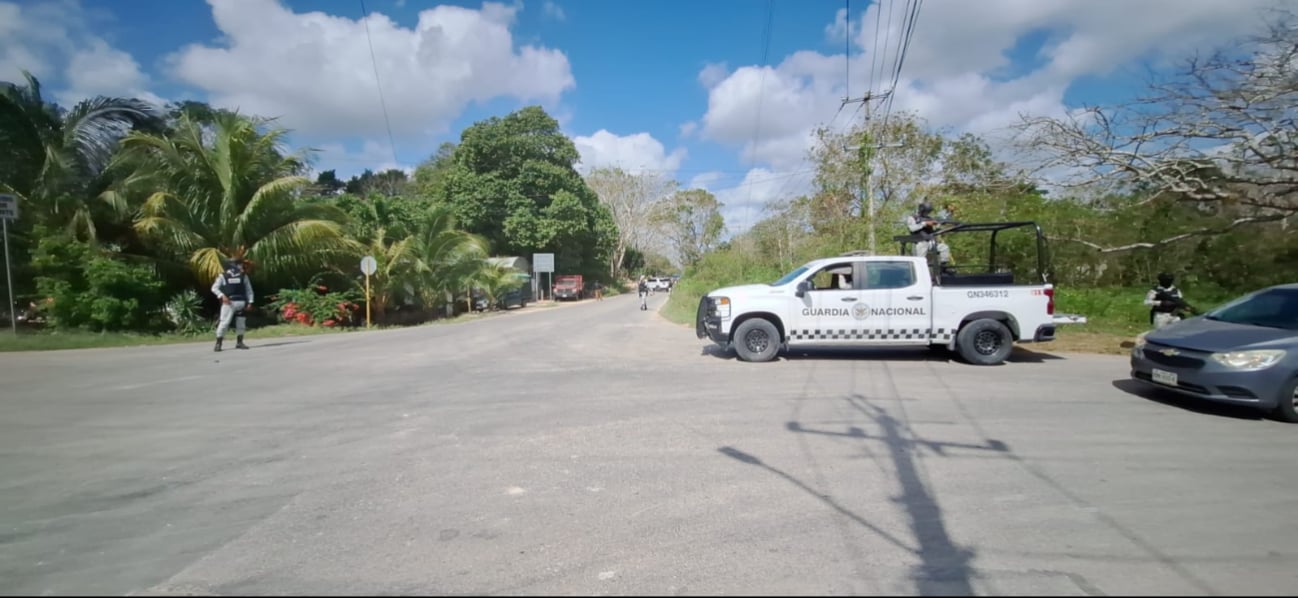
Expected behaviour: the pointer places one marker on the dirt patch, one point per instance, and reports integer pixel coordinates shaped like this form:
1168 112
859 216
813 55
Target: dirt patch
1105 343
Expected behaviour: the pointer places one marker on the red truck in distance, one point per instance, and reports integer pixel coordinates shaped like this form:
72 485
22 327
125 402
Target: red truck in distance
569 287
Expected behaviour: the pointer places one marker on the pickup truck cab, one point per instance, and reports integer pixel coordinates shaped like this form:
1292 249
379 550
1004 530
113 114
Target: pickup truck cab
858 300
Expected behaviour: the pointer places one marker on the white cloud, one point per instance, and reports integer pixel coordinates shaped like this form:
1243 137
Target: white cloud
315 70
713 74
55 41
634 153
688 129
744 203
554 11
957 73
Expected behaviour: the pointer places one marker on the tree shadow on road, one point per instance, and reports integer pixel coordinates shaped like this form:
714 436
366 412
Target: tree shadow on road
1191 404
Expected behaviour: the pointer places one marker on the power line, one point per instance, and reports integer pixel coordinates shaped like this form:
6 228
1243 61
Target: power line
761 94
365 19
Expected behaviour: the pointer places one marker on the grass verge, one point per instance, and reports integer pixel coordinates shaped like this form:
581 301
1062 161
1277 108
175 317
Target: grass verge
76 339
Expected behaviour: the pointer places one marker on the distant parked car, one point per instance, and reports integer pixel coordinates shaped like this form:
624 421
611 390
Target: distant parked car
1243 353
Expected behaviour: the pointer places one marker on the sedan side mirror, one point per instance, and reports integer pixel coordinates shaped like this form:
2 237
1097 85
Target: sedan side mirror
803 287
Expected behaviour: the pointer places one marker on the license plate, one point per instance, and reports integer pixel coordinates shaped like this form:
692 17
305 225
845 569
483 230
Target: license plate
1163 377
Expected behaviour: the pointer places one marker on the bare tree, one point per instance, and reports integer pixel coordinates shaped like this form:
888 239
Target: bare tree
692 222
1220 132
631 199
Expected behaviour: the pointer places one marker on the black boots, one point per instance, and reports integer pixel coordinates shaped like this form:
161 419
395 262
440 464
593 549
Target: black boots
238 344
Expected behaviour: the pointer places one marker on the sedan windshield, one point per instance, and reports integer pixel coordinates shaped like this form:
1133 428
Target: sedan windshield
1272 308
787 278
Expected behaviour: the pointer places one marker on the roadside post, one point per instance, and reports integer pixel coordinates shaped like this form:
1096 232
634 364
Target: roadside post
368 266
544 263
9 211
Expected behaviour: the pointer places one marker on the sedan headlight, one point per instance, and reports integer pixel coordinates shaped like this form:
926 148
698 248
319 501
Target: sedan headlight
1259 359
1140 340
721 306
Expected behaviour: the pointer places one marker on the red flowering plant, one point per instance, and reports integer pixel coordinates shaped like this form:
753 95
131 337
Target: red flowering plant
316 305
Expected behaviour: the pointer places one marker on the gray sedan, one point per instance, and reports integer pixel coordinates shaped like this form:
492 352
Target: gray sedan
1244 353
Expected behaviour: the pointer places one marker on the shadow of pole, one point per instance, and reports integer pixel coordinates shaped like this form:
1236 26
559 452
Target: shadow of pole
743 457
944 568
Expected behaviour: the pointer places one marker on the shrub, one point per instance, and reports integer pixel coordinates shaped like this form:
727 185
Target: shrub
316 304
89 289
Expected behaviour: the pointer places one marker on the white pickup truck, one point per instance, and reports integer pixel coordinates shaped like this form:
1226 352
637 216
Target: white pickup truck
879 301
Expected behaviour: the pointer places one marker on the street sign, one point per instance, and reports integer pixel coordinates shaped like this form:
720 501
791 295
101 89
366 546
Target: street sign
368 266
8 207
543 262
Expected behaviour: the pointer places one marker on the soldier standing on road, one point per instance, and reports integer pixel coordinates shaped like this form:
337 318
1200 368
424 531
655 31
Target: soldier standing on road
1165 301
234 289
644 293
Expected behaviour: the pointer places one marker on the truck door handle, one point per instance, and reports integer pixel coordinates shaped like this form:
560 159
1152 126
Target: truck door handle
914 297
849 299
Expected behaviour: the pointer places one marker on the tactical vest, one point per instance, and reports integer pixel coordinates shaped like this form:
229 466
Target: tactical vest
232 285
1160 295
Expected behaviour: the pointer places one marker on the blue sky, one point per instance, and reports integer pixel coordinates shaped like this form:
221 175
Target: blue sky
669 86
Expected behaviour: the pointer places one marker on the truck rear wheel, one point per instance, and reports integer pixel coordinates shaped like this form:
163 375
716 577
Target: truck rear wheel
757 340
984 342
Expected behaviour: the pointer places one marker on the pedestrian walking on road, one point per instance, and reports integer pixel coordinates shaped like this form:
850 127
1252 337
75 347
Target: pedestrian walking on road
644 293
234 289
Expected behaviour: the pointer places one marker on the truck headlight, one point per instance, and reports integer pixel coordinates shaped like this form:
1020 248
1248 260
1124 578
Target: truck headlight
1259 359
721 306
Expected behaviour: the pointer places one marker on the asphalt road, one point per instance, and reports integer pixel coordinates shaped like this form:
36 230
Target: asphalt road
598 449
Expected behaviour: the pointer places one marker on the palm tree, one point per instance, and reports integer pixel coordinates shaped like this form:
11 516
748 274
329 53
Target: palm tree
56 161
230 191
395 268
446 260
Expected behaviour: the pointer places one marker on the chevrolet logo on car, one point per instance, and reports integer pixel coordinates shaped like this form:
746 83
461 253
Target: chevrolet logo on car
1170 352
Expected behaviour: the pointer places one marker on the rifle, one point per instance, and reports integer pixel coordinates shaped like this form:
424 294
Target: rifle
1178 304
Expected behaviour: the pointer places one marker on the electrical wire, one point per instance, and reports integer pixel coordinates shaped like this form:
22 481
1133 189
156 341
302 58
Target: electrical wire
365 19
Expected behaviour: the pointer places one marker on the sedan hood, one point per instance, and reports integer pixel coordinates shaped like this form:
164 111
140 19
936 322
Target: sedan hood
1202 334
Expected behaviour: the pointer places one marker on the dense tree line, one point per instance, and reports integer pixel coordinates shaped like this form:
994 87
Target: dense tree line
129 210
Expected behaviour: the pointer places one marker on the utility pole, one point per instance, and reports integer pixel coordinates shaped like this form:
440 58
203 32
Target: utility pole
866 153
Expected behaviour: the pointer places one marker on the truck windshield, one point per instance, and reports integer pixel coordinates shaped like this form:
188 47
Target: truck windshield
787 278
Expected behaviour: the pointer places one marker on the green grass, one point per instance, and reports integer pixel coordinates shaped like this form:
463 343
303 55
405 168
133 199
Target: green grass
77 339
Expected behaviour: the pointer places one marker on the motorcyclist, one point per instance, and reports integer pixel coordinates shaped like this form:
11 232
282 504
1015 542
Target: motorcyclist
234 289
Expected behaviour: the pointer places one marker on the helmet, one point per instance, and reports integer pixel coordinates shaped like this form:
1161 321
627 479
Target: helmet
925 208
1165 279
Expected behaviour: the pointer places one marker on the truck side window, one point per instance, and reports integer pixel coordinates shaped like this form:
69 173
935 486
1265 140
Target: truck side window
831 278
889 275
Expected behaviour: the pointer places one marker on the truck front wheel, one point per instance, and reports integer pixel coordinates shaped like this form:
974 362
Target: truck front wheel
757 340
984 342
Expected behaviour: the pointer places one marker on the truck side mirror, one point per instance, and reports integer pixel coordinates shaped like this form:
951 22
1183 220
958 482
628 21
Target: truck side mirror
803 287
